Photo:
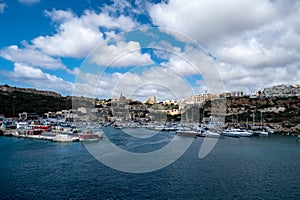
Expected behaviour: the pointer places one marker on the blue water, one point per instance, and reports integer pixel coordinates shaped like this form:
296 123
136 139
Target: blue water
237 168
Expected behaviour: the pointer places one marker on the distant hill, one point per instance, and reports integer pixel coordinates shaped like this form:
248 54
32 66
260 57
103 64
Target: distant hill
9 89
15 100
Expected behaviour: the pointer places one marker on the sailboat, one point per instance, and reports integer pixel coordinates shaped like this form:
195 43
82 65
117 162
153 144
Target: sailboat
262 132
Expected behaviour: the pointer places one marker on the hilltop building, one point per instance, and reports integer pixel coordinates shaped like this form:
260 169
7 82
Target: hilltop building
200 98
151 101
279 91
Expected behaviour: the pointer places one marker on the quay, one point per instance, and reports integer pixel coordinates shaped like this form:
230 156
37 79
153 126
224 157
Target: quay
44 136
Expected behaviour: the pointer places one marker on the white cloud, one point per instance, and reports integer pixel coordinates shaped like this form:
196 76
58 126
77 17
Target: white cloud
160 81
207 20
2 7
121 54
255 54
29 2
256 43
163 82
72 40
77 36
240 78
59 15
37 78
31 56
104 20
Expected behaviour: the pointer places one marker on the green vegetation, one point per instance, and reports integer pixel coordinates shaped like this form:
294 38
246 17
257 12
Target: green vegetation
16 102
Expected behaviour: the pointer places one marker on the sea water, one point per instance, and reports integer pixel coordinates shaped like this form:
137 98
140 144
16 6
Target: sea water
236 168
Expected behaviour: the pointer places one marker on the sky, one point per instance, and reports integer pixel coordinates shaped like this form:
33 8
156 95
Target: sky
172 49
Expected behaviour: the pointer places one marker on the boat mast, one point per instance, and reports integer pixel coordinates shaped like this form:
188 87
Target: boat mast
261 120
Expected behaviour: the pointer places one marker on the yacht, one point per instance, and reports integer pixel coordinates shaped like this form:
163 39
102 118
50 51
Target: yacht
237 133
245 133
210 134
231 133
262 133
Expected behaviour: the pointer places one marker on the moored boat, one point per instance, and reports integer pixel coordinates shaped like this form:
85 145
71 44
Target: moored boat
231 133
187 133
210 134
89 136
64 138
262 133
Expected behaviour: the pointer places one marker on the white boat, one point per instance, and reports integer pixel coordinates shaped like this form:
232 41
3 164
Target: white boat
244 133
63 138
231 133
263 133
210 134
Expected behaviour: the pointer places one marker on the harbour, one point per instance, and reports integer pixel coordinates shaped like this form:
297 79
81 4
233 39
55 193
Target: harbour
249 168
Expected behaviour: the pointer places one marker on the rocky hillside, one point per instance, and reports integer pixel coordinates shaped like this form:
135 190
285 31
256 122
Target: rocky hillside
279 112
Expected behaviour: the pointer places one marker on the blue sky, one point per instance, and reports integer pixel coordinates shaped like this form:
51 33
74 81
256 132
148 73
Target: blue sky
171 49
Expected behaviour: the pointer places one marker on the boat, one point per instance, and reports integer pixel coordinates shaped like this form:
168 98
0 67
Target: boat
231 133
244 133
35 132
88 136
210 134
187 133
63 138
262 133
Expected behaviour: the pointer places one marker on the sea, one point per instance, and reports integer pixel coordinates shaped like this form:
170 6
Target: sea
236 168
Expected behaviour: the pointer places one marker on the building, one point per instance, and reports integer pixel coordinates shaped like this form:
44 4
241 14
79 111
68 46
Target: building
200 98
279 91
151 101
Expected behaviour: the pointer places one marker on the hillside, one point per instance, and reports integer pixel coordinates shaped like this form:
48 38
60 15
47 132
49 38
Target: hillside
279 112
16 101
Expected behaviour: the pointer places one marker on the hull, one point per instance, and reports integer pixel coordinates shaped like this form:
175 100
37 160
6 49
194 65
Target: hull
187 133
63 138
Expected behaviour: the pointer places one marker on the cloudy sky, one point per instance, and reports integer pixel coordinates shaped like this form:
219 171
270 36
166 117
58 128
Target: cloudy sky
172 49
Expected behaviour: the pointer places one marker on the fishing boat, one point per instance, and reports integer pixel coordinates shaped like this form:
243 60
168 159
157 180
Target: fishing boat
89 136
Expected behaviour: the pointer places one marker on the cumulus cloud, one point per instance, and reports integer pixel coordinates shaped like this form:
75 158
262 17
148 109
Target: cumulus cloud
254 54
163 82
160 81
31 56
59 15
37 78
77 36
121 54
254 43
240 78
209 19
